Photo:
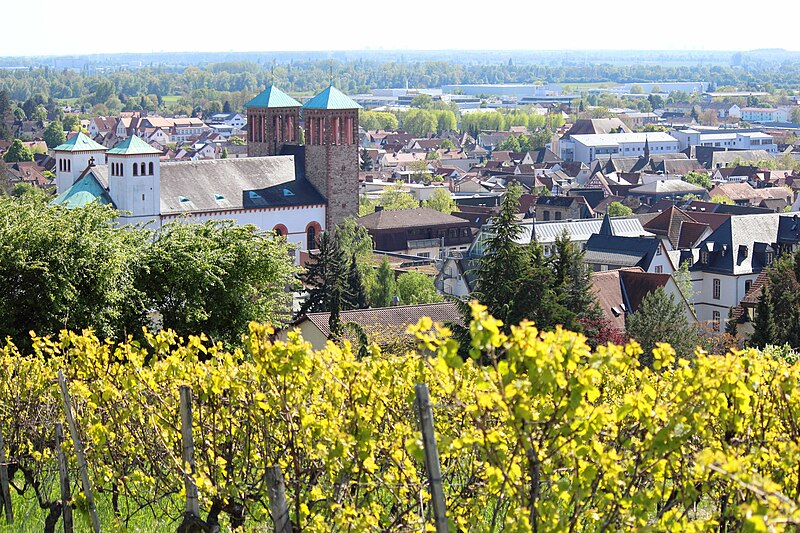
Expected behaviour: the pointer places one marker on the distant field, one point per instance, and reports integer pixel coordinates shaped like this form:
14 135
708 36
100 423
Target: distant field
171 99
67 101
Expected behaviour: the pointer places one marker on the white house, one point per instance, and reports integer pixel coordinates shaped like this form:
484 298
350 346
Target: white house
587 148
750 140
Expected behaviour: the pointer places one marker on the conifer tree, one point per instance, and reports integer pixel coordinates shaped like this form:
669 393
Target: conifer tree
385 286
661 318
356 292
326 281
572 279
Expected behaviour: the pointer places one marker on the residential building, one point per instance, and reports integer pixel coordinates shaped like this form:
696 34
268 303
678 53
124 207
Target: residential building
590 147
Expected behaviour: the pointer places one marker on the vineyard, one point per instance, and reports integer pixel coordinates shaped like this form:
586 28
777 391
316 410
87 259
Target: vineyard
544 434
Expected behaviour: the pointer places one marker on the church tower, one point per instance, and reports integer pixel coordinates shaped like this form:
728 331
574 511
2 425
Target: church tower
73 157
331 152
273 119
134 178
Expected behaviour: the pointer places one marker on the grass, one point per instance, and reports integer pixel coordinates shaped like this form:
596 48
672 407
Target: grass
171 99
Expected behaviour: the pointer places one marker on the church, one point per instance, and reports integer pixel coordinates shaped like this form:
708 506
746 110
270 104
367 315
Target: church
294 189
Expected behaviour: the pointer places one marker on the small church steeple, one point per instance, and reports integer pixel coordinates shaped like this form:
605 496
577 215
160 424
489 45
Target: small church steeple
73 157
605 227
646 148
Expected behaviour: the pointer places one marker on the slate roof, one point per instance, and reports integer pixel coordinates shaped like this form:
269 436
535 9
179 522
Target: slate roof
740 244
133 145
272 97
620 251
395 319
668 187
596 125
233 184
331 98
669 223
409 218
79 143
580 230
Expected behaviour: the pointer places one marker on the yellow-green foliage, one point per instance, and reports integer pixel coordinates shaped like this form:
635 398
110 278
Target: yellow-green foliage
546 435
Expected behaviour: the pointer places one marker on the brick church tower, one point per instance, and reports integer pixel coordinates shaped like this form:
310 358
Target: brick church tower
331 152
273 119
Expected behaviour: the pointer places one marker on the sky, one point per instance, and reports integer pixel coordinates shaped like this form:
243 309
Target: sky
50 27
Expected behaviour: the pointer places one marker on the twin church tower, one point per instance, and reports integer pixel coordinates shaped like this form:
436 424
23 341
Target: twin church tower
329 157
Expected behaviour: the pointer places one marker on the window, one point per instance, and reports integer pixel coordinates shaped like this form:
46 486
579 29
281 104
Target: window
747 285
558 215
135 169
715 320
311 238
150 169
716 287
659 269
547 215
704 257
142 172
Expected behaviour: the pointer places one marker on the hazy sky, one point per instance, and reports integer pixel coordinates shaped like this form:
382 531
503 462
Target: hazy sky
50 27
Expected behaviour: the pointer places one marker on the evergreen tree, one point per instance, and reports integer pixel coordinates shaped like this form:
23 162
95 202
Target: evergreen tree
226 107
504 262
356 291
366 161
661 318
385 286
777 318
326 281
573 281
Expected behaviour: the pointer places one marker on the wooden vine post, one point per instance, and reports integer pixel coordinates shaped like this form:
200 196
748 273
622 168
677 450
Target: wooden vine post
278 507
187 454
79 454
63 479
432 466
5 491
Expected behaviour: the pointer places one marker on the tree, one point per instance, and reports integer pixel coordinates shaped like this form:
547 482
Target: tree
417 288
226 107
216 277
366 161
617 209
385 285
709 118
572 280
356 292
39 115
325 277
236 141
70 269
661 318
721 199
636 89
511 144
224 153
394 198
447 144
18 152
441 200
698 178
72 123
796 115
420 122
777 318
422 101
54 134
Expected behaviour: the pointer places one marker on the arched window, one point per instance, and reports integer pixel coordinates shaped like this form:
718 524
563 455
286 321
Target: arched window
135 169
150 169
716 288
142 173
311 238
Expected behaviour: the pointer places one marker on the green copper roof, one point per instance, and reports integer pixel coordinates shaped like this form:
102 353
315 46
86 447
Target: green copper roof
79 143
133 145
85 191
272 97
331 98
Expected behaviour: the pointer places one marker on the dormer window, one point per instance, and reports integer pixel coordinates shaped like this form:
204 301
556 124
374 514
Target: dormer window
704 257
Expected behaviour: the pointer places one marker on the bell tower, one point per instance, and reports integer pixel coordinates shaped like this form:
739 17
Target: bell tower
73 157
273 119
331 152
134 178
